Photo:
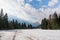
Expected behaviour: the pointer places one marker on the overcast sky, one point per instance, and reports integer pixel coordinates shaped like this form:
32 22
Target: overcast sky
30 10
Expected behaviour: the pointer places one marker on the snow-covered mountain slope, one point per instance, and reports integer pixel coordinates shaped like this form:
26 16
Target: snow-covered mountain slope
30 34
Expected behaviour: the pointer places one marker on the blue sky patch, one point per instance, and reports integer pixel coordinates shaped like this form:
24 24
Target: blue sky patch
38 4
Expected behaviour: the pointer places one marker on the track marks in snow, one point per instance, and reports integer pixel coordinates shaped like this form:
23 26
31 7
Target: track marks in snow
30 35
24 36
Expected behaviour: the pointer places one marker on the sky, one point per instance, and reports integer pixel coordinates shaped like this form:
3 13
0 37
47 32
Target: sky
30 10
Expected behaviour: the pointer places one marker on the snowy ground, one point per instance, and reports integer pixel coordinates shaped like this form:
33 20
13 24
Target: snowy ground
34 34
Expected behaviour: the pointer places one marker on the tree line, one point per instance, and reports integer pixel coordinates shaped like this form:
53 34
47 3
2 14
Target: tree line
5 24
52 23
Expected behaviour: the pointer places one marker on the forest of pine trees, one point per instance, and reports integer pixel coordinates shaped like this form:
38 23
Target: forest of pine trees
52 23
5 24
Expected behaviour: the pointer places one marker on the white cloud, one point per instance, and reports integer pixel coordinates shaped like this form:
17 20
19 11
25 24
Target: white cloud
41 13
26 12
34 13
31 12
57 9
21 2
13 9
52 2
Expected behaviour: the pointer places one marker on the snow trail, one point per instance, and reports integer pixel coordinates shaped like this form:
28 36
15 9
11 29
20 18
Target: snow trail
33 34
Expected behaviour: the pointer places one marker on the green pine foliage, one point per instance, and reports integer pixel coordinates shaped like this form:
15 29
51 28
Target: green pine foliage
30 26
44 23
5 24
52 23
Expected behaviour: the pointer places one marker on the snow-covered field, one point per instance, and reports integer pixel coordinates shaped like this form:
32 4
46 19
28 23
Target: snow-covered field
30 34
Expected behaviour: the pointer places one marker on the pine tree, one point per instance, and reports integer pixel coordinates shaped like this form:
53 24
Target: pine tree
44 24
16 24
0 23
24 26
51 23
55 21
12 24
30 26
59 22
19 26
1 14
6 24
1 19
